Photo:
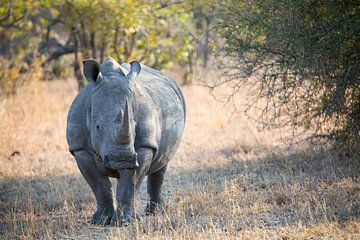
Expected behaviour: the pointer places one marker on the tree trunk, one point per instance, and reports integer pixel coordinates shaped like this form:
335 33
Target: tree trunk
76 65
84 41
102 49
129 47
93 44
206 43
116 42
189 74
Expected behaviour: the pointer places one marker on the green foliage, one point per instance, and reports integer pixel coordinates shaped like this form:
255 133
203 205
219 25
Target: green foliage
305 55
129 29
153 32
14 74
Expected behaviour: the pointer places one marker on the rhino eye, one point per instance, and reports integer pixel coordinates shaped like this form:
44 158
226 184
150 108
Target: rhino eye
97 127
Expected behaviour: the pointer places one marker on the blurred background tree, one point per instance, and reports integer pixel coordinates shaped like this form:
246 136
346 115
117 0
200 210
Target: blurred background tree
303 56
156 32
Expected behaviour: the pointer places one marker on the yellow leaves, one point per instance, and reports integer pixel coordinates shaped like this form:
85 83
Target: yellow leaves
44 22
15 73
131 30
8 75
213 46
162 22
46 3
260 39
54 12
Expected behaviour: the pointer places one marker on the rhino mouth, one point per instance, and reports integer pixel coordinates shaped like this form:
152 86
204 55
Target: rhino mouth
123 160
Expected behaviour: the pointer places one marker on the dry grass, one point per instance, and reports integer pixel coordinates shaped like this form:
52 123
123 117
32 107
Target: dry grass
229 179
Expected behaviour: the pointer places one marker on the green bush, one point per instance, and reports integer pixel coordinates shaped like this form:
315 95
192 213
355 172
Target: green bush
304 56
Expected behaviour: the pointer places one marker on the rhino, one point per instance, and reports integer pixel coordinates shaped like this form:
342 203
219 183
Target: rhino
126 124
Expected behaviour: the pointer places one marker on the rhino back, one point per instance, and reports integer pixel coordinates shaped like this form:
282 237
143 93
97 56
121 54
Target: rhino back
77 133
159 84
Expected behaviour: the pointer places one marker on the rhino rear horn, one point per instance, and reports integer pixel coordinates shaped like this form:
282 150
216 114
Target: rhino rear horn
91 70
135 69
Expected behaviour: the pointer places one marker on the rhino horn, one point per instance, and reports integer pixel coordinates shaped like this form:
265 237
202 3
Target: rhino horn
124 132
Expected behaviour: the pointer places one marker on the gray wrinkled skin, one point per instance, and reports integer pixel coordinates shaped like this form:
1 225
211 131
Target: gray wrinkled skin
127 123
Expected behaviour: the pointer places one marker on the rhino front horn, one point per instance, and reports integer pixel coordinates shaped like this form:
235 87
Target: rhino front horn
124 132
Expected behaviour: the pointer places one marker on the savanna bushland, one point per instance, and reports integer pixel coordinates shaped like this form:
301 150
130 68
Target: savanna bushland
271 143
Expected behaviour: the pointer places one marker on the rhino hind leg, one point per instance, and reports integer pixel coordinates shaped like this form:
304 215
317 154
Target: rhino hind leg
100 185
154 184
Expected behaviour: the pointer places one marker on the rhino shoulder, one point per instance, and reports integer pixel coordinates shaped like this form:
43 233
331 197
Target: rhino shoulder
76 131
146 136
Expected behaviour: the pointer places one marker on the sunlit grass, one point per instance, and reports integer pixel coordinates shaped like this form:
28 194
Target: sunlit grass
229 180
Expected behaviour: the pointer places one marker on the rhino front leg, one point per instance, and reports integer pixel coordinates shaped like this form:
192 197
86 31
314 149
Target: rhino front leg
100 185
128 184
154 184
125 197
144 157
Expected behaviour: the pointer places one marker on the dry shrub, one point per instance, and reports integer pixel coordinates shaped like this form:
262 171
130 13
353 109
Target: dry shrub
303 58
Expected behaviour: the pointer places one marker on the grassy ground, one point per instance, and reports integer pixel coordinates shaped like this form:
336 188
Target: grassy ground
229 180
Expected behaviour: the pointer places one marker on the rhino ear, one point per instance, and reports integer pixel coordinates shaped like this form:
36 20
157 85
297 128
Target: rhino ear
135 69
91 70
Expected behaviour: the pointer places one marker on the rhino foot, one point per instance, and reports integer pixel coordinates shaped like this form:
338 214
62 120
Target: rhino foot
102 216
122 220
153 208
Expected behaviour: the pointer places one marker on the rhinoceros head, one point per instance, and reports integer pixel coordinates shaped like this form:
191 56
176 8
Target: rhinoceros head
110 112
